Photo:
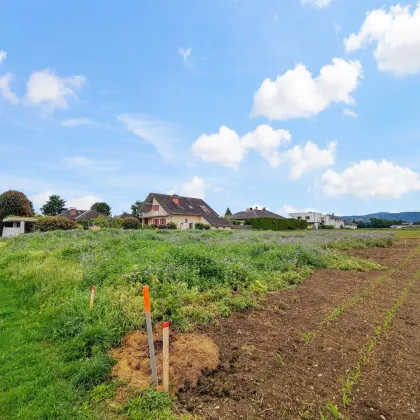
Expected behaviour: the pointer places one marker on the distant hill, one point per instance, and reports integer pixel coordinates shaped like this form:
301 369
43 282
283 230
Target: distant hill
408 216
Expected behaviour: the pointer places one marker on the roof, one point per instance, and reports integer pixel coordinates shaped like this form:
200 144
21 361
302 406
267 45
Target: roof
19 219
332 216
186 205
80 214
255 214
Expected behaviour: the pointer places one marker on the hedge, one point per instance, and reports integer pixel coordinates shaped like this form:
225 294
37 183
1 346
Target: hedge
267 223
45 224
131 223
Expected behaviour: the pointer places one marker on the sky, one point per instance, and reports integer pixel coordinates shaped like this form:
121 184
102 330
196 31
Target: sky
292 105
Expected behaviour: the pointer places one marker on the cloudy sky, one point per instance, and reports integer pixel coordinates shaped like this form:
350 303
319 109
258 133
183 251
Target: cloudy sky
291 104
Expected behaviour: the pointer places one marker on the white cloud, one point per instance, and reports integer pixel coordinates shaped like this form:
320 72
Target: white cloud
46 89
370 179
318 3
397 37
309 158
158 133
194 188
40 199
287 208
350 113
224 148
84 202
79 122
3 55
186 56
296 94
5 91
266 141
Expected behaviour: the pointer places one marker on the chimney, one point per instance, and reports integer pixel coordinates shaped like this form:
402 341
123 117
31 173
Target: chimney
175 199
73 211
265 208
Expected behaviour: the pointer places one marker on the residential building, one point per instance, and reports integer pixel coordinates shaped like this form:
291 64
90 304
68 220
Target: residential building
254 213
185 212
315 220
77 215
349 225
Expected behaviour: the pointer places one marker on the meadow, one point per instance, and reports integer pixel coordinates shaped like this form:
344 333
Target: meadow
54 359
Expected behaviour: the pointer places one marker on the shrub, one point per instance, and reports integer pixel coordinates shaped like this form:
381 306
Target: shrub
236 222
84 224
15 203
266 223
108 222
131 223
171 225
202 226
45 224
326 227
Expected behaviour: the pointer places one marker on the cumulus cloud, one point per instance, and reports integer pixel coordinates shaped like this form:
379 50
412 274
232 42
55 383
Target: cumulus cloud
224 148
266 141
50 91
370 179
3 55
227 148
158 133
309 158
296 94
350 113
318 3
40 199
5 91
81 203
396 33
194 188
79 122
287 208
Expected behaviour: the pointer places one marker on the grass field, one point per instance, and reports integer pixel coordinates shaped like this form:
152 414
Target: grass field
53 350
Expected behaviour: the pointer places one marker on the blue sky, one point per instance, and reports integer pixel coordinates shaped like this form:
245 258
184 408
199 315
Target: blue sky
290 105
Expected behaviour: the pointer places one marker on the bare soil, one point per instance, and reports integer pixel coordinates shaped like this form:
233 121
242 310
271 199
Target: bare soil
268 371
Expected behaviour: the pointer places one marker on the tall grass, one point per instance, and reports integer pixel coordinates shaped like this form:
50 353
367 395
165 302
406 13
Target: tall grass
53 350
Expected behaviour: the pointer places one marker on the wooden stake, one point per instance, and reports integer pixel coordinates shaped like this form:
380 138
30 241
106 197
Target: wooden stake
150 334
92 297
166 356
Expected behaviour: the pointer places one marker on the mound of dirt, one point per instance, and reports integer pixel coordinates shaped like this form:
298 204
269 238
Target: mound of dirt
189 356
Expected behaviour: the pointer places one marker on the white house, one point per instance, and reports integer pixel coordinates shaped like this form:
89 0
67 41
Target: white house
315 219
15 225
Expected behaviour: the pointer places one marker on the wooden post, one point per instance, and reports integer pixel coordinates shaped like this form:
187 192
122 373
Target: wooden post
166 356
92 297
150 333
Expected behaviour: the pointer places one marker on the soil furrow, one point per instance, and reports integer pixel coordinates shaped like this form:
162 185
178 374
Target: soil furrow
268 372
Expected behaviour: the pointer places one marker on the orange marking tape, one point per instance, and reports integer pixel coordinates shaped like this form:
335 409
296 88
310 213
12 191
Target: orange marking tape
146 299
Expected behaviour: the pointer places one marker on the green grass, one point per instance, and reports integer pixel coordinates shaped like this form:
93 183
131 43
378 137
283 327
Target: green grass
53 350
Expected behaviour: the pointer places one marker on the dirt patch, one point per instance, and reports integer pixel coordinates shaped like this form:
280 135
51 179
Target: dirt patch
190 355
268 372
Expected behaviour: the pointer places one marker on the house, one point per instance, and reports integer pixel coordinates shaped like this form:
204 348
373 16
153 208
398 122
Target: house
349 225
254 213
315 219
185 212
15 225
77 215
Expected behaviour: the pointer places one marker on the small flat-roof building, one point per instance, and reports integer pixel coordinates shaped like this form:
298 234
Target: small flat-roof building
15 225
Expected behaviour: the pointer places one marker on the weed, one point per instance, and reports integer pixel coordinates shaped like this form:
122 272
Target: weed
333 409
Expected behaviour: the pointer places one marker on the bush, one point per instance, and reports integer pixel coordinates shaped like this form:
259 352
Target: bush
266 223
15 203
131 223
108 222
236 222
326 227
46 224
202 226
171 225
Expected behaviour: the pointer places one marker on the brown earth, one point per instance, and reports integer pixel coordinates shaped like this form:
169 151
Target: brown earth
267 371
190 355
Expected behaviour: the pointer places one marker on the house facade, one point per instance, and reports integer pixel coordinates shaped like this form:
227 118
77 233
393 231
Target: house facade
254 213
315 219
185 212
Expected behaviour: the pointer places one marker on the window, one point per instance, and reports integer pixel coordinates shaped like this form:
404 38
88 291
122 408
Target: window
155 207
299 217
307 217
162 221
185 220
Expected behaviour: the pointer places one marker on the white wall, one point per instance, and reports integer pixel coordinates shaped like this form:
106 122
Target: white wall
18 227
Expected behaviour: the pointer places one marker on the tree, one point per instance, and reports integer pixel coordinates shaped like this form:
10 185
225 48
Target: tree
136 207
54 206
228 212
15 203
102 208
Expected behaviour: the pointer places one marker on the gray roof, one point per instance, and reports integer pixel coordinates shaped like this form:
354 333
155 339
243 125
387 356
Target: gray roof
80 214
186 205
332 216
255 214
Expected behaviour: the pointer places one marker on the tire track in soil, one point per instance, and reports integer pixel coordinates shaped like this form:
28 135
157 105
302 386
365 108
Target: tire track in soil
266 370
390 385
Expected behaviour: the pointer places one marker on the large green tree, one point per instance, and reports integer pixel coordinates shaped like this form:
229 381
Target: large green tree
228 213
54 206
102 208
136 207
15 203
